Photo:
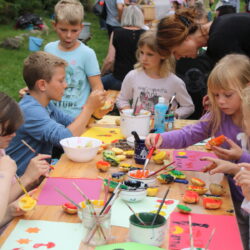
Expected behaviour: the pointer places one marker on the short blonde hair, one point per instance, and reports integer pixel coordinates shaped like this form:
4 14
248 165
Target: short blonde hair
232 72
148 38
69 11
40 65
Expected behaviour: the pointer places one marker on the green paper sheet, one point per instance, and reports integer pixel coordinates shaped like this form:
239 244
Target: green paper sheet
32 234
120 213
127 246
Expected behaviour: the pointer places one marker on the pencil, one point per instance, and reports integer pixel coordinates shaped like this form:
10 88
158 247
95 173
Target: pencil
190 233
210 239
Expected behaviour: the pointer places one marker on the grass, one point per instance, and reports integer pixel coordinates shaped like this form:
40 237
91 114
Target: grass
11 61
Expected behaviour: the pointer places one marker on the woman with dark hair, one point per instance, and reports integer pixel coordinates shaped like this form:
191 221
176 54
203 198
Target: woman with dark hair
183 35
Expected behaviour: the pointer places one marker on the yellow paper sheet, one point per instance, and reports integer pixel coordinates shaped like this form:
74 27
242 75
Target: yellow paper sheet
107 135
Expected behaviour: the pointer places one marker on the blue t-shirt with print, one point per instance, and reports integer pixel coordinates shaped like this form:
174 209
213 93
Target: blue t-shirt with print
82 63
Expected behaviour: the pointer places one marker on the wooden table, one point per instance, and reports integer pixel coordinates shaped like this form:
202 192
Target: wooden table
68 168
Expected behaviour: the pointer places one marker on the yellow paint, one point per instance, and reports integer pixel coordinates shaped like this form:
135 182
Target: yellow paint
182 153
163 207
107 135
27 203
161 213
177 230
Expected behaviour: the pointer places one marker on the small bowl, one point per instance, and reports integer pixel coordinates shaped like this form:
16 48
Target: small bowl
133 195
131 140
149 181
80 149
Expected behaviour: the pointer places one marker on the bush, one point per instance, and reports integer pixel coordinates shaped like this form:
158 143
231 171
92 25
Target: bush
12 9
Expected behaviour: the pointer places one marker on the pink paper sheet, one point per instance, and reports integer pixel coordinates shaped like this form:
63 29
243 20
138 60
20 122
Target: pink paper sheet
189 160
226 236
48 195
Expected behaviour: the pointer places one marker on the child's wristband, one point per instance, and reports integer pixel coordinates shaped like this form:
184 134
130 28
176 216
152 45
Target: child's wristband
95 117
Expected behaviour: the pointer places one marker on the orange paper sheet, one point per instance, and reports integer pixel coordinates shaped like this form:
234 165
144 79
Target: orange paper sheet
107 135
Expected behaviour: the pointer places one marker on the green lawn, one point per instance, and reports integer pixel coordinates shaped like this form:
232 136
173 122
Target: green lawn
11 60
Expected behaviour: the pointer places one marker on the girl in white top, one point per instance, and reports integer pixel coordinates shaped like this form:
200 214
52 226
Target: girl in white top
10 120
152 78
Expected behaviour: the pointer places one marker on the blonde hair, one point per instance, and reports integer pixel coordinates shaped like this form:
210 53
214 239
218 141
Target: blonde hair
232 72
40 65
148 38
69 11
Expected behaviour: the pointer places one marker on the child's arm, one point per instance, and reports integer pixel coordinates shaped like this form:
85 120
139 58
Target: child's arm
7 171
110 58
221 166
119 5
185 103
126 93
95 82
38 166
95 101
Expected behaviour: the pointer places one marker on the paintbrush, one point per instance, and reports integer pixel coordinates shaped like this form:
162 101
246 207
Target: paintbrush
34 151
67 198
151 151
106 190
160 207
28 146
163 168
190 233
21 185
136 215
111 199
134 110
210 239
91 208
170 103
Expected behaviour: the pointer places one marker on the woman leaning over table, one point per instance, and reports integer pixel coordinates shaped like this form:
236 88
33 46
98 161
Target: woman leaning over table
183 35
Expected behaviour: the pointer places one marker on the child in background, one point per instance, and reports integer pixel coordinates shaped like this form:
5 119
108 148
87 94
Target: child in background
82 72
44 124
225 86
152 78
11 119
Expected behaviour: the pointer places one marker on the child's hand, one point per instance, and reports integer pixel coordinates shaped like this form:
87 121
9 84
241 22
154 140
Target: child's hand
37 166
220 166
23 92
7 165
100 113
14 209
232 154
150 141
96 100
242 179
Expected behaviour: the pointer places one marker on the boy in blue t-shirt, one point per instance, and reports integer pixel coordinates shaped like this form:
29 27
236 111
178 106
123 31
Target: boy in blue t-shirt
45 125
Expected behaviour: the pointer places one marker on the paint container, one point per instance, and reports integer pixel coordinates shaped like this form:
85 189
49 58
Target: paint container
35 43
98 236
147 234
139 123
141 152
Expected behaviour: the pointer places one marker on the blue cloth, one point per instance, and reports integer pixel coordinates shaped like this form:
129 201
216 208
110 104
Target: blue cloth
43 128
82 63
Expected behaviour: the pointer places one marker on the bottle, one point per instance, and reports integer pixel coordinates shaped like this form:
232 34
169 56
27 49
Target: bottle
160 111
169 121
